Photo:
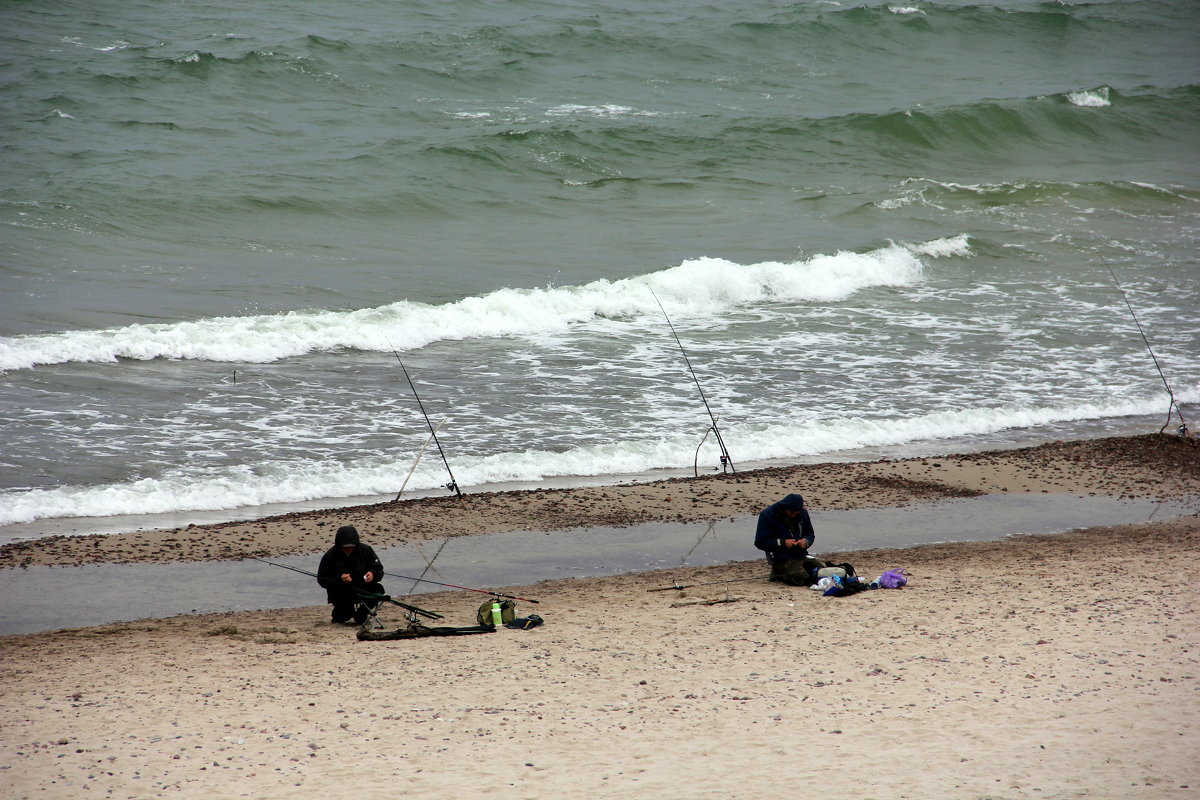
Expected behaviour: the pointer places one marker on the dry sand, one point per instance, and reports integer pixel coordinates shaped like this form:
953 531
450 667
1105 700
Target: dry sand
1060 666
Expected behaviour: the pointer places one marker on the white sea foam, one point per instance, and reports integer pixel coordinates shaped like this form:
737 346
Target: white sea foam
607 110
702 285
1096 98
944 248
299 481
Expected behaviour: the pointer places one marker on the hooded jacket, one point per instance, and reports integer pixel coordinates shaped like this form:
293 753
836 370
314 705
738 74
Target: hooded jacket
335 564
774 526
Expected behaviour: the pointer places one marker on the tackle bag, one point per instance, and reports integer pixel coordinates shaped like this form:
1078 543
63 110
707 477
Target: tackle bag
508 611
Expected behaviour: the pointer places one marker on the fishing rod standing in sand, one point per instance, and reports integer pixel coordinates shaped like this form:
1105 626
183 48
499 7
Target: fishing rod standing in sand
417 460
378 598
726 461
453 484
1170 392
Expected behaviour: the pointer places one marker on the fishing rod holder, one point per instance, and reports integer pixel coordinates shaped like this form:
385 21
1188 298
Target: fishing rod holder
726 461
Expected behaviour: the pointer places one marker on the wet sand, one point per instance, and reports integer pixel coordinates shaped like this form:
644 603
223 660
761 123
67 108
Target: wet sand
1060 666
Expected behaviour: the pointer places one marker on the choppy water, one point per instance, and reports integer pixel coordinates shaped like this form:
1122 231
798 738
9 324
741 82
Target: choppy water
879 226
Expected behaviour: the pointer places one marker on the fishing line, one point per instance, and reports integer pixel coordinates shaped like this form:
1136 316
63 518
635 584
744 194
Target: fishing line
377 598
726 461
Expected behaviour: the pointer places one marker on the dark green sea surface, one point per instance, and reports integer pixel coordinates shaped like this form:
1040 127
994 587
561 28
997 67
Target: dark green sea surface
874 224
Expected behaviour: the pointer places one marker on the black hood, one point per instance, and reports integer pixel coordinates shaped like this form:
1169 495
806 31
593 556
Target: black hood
347 534
793 502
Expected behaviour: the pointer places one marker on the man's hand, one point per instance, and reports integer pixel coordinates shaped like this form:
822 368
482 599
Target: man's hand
370 576
801 543
346 577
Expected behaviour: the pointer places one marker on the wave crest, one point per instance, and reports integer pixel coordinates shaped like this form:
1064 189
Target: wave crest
697 286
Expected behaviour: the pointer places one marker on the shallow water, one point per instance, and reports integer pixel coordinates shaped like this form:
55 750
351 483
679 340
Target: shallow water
46 598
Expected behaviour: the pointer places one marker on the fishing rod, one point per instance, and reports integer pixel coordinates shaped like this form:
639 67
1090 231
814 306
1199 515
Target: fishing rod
420 453
369 596
464 588
726 461
1166 383
709 583
428 563
712 527
453 484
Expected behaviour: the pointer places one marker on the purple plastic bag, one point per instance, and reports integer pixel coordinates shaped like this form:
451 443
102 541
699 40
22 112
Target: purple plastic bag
893 579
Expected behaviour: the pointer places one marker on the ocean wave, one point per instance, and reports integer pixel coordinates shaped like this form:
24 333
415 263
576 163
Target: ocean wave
1132 196
581 145
939 20
708 286
296 482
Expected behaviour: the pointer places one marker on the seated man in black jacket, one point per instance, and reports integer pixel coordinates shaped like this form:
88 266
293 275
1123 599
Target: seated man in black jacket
785 533
348 570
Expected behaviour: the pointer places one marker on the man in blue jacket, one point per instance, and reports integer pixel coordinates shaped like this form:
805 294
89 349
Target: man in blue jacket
349 569
785 533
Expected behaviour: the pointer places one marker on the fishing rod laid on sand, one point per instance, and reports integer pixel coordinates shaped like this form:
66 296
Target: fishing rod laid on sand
365 596
453 484
678 586
726 461
1170 392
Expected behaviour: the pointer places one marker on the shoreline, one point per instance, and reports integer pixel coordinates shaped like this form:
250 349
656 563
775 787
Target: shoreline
1150 465
47 527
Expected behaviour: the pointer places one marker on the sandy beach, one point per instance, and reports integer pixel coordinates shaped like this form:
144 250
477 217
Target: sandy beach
1061 666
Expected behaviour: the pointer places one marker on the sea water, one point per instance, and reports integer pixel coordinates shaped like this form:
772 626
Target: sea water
231 233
